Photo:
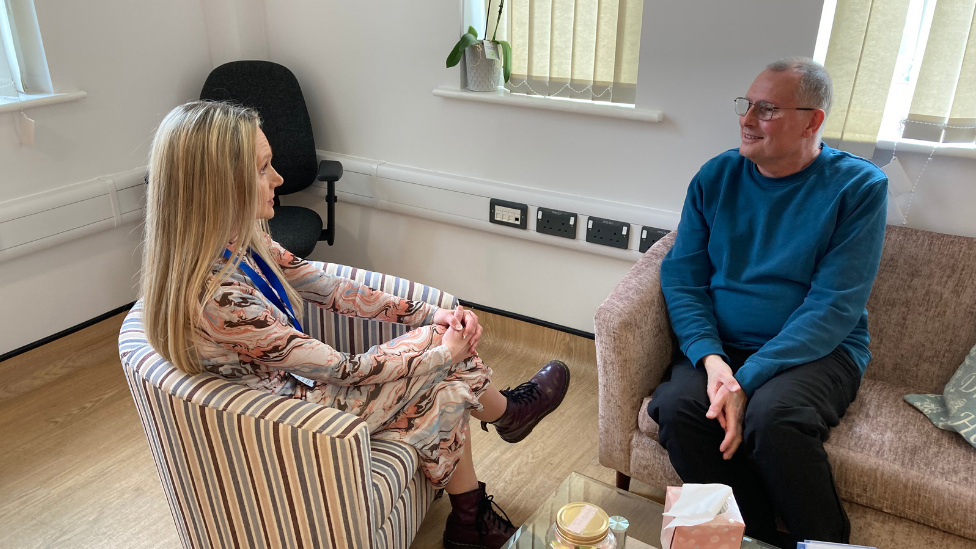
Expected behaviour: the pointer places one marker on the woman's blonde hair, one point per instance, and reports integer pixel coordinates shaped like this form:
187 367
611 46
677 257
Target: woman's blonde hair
203 193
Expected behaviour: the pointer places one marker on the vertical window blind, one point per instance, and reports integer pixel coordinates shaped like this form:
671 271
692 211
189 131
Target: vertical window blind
944 103
861 56
579 49
910 61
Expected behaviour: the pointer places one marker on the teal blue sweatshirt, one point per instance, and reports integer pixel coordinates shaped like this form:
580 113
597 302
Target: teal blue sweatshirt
782 266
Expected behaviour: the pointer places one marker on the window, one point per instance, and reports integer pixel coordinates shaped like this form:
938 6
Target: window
10 80
577 49
902 69
23 66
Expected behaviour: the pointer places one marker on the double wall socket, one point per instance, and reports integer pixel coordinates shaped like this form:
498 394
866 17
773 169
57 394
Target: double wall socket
510 214
556 223
650 235
608 232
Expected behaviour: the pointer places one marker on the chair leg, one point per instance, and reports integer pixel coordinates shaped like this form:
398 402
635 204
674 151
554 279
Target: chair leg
623 481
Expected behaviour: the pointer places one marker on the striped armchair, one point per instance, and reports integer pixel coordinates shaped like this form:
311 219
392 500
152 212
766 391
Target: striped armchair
243 468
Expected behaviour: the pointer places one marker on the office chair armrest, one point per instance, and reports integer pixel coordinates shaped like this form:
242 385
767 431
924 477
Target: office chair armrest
330 170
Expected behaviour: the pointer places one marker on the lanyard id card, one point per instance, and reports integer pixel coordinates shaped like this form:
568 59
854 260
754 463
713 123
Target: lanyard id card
275 294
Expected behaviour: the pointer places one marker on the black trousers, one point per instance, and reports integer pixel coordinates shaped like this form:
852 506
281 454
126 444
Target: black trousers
781 466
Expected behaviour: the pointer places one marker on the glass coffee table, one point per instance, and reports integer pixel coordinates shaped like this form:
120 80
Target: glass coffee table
644 515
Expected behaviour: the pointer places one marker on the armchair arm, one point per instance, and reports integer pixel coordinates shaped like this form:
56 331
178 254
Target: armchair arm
356 335
241 467
633 349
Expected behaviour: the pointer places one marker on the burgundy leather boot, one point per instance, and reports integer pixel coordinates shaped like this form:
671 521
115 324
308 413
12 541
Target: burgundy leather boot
531 401
474 523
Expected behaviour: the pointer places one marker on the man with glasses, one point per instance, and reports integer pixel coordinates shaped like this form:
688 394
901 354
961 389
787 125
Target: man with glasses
766 285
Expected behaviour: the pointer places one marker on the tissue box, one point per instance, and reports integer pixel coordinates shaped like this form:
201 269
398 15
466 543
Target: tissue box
722 532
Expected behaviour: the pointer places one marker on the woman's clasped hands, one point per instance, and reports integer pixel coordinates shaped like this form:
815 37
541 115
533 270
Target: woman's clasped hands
462 332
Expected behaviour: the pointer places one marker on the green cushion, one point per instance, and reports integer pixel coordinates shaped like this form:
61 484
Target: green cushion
955 408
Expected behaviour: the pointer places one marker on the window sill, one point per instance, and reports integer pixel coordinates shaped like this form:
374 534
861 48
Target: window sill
504 97
38 100
960 150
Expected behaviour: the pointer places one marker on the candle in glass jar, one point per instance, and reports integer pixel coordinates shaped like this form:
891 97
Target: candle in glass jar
581 525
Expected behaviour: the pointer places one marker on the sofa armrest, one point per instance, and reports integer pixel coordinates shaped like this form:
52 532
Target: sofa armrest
357 335
633 350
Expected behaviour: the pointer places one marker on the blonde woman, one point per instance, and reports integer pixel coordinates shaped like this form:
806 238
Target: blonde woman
222 297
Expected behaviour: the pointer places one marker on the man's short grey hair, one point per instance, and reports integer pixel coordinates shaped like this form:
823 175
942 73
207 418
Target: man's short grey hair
815 88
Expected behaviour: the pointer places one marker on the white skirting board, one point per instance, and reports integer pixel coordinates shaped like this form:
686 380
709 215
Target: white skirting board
54 217
46 219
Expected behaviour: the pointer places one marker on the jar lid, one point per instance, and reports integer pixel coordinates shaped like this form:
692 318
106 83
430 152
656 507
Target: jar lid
582 523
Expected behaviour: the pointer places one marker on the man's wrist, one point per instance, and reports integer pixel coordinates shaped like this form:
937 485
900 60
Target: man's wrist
713 360
697 350
750 377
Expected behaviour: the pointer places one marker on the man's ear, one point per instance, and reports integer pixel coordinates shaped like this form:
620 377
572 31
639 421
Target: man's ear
816 121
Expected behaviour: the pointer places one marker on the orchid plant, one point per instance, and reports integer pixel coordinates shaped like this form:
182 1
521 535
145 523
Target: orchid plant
470 38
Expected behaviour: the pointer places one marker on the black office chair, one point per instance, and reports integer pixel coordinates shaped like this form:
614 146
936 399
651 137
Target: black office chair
273 91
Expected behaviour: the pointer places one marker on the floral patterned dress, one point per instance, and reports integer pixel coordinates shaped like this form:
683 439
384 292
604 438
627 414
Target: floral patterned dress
406 390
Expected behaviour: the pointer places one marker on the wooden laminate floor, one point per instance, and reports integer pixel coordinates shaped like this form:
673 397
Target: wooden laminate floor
75 468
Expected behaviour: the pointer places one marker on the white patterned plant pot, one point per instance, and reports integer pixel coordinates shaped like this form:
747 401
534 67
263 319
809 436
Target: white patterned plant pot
483 73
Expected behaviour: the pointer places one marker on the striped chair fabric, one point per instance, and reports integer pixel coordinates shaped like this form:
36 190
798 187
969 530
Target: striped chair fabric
243 468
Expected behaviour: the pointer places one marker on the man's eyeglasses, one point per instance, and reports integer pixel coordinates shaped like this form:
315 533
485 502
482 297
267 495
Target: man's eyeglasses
764 111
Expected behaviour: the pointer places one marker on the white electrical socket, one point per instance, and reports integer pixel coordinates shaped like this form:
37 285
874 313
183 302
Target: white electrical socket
508 215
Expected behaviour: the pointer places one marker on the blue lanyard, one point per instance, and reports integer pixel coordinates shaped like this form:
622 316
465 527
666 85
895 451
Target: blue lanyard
278 297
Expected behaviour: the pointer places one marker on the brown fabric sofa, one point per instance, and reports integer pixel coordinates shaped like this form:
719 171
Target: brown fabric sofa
905 483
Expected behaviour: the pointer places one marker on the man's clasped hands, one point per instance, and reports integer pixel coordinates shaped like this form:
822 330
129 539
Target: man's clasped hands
728 403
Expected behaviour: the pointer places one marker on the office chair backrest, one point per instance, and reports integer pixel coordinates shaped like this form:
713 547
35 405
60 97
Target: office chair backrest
273 91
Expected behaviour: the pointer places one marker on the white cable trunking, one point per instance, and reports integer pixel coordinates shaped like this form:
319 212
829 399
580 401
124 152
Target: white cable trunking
464 201
49 218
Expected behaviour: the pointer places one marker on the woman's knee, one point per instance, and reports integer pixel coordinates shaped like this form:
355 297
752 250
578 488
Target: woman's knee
472 371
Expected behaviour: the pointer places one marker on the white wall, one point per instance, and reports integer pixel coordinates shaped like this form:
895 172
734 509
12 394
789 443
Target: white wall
235 30
945 194
367 70
136 61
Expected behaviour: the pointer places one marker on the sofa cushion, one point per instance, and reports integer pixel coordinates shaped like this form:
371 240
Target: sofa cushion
955 408
394 465
887 456
644 421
